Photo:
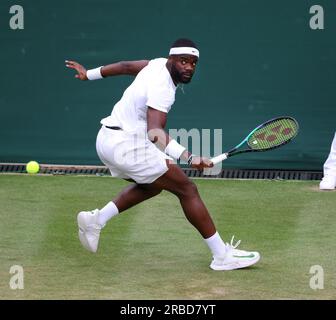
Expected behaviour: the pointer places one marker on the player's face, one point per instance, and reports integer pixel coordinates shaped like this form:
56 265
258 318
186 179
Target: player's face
183 68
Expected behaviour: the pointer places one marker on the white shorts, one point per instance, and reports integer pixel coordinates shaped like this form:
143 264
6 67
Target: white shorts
130 156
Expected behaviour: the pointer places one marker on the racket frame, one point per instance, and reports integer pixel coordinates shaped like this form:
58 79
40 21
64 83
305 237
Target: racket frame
233 151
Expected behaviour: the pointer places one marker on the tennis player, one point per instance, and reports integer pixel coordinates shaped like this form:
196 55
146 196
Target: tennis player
134 145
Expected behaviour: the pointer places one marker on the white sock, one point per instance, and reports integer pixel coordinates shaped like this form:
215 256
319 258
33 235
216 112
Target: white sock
216 245
106 213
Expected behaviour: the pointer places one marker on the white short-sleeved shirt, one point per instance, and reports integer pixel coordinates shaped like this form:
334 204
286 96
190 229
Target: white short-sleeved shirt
153 87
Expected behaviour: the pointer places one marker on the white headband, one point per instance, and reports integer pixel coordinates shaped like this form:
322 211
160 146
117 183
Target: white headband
184 50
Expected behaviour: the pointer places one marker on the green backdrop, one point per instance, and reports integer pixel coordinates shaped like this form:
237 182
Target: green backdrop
258 60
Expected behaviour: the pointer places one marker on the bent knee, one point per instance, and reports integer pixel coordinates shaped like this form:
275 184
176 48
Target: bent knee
188 189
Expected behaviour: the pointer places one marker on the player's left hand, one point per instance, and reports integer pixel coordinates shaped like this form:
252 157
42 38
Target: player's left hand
201 163
81 71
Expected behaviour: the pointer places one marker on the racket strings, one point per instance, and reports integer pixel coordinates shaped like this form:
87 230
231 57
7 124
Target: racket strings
273 134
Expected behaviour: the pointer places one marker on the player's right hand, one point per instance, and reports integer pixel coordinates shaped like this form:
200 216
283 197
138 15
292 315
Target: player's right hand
81 71
201 162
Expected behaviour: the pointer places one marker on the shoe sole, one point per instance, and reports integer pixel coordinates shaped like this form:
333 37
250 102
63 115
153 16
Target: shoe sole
81 234
235 265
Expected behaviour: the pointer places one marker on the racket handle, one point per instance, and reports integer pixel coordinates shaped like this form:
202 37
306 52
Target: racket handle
219 158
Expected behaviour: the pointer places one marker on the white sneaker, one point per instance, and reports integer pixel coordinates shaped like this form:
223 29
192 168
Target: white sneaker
328 183
234 258
89 229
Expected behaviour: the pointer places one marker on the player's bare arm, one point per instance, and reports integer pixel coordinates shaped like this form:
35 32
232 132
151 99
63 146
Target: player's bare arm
156 123
124 68
114 69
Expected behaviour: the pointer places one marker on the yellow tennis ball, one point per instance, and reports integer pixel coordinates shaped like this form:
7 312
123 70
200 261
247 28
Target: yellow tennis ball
32 167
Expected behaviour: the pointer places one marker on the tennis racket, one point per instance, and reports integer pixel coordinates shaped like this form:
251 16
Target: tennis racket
271 134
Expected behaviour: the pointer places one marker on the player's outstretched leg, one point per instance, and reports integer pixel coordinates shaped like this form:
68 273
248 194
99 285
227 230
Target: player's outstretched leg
225 256
90 223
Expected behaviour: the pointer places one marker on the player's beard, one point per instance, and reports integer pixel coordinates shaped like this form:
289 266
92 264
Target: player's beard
180 77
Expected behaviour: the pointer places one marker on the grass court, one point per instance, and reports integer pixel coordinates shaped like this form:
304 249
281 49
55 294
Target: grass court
152 252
